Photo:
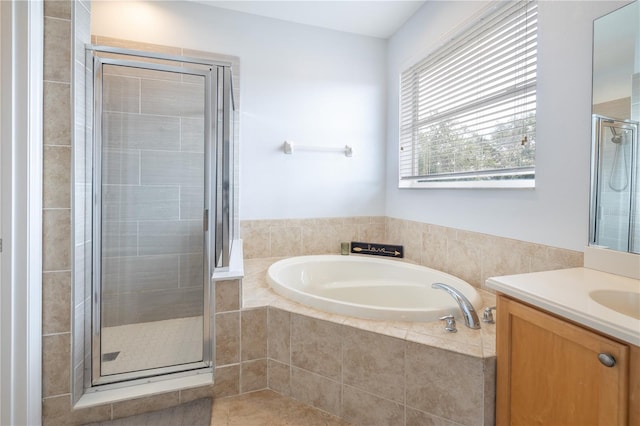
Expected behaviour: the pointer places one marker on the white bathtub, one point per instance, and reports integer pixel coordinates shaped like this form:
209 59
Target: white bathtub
368 287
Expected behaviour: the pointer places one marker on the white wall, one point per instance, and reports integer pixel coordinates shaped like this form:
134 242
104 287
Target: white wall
556 211
299 83
322 87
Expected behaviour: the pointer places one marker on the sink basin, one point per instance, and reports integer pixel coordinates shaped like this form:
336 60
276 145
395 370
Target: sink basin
624 302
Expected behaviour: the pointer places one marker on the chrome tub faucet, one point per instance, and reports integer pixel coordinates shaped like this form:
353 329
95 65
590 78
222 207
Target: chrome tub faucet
468 312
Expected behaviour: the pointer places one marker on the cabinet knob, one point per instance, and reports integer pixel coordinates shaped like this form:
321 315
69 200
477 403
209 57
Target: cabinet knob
607 360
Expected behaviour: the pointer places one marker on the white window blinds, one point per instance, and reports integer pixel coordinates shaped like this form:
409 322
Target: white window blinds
468 111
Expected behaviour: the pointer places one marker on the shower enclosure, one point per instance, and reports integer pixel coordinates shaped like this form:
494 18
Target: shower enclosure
616 160
158 211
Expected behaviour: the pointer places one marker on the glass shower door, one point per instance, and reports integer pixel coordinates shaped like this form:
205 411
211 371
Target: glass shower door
151 219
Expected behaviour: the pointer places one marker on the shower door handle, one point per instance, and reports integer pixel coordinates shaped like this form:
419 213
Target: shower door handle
205 220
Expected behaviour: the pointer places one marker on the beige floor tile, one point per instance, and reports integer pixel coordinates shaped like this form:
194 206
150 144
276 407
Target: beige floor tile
267 408
220 412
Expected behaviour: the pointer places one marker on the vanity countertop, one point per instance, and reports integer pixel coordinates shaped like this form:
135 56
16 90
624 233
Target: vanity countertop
566 293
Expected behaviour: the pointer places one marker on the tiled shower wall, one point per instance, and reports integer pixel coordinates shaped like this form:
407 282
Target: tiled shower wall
471 256
153 192
66 30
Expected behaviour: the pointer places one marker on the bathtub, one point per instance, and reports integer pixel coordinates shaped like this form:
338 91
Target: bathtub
368 287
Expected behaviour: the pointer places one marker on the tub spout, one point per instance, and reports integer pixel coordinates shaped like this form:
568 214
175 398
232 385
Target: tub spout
469 314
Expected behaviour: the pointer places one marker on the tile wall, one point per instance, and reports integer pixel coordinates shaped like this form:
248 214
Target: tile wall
57 308
241 342
471 256
372 379
619 108
296 237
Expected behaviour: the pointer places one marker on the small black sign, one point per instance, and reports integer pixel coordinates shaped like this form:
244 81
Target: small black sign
377 249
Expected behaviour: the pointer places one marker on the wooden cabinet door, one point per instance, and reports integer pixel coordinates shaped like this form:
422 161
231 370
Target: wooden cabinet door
548 371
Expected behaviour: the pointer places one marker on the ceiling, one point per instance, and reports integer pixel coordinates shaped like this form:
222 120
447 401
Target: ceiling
379 18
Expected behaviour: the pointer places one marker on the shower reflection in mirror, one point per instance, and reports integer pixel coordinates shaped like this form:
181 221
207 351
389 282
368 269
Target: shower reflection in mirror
614 181
619 175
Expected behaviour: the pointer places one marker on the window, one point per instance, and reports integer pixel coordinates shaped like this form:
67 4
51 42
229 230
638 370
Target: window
468 110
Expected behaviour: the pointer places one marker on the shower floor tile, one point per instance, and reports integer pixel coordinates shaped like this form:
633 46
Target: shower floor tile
142 346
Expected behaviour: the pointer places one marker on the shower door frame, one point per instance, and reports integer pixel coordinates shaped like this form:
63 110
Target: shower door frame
210 72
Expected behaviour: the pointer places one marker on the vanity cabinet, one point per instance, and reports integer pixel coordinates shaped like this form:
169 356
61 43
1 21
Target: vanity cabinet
552 372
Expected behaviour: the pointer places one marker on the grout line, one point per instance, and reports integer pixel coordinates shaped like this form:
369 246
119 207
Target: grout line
56 396
58 145
56 209
55 271
61 333
66 83
58 19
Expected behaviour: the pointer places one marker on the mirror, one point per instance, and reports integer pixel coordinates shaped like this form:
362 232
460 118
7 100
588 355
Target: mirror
615 155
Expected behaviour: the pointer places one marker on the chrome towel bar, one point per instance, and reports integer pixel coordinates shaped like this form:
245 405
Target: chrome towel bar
288 148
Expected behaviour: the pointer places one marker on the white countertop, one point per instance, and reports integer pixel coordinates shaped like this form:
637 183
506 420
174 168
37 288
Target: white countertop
565 293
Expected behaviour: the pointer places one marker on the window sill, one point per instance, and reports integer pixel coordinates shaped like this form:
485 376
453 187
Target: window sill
497 184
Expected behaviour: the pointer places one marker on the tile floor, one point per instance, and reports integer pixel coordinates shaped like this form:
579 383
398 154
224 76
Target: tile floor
194 413
152 344
267 408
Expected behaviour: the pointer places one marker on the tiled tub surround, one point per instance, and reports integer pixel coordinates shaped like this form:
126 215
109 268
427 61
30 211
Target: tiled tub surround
372 372
472 256
365 371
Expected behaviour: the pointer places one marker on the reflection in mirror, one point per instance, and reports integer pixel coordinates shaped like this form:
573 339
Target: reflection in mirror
616 225
615 185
